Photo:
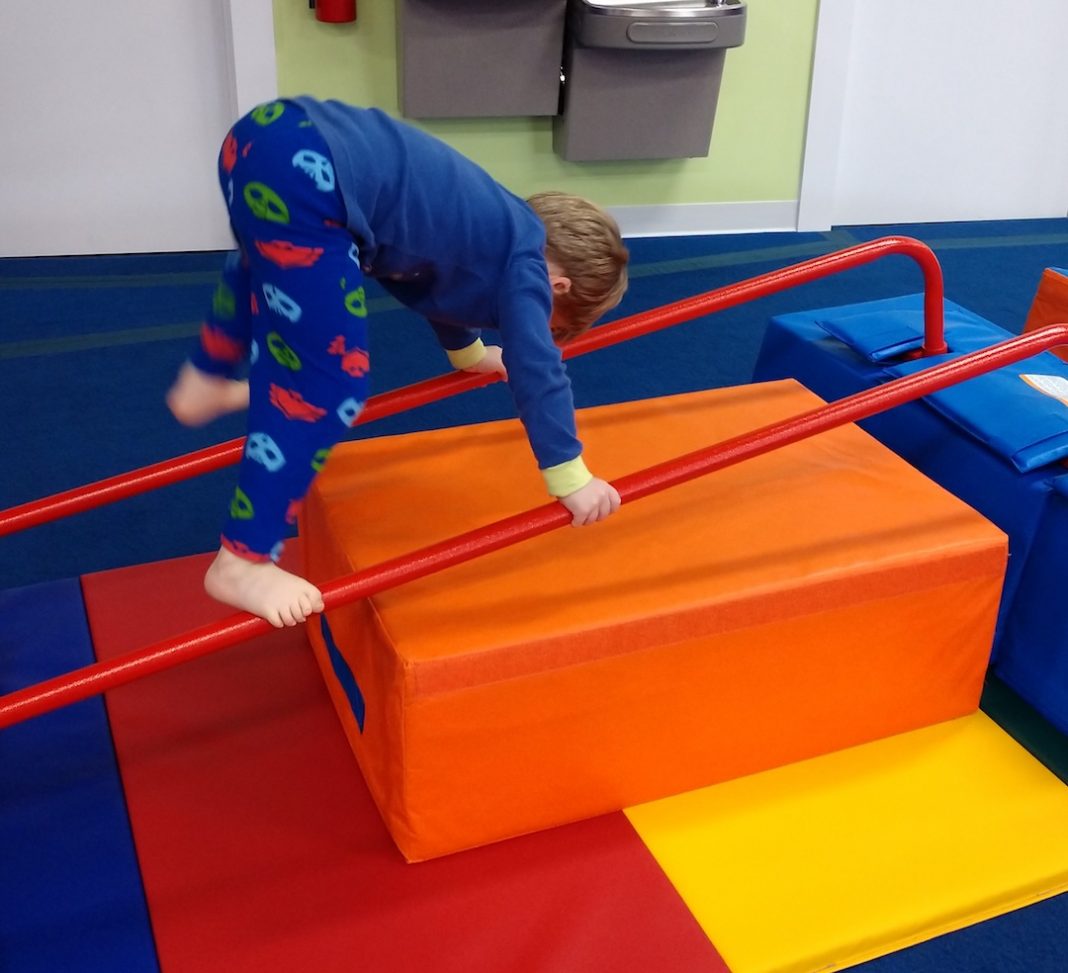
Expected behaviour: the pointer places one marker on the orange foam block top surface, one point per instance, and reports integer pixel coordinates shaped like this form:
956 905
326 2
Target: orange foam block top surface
820 596
1050 304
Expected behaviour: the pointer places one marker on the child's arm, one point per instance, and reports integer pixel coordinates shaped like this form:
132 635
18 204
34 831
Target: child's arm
587 497
466 350
543 397
463 345
542 392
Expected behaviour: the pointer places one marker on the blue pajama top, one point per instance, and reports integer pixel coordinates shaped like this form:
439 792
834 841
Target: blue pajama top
444 238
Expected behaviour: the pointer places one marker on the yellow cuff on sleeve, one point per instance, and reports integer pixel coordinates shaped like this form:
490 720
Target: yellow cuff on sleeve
466 357
566 478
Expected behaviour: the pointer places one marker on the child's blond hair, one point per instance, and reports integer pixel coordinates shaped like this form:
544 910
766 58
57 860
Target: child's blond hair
585 242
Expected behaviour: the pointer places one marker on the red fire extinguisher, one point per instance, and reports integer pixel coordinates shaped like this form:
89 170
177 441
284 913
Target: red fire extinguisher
334 11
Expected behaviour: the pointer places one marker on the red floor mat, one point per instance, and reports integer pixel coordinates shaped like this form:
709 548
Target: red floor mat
261 850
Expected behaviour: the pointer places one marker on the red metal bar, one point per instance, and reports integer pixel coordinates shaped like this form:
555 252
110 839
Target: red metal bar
779 280
162 474
90 680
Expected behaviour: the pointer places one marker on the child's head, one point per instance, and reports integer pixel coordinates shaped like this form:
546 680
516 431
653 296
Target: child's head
584 242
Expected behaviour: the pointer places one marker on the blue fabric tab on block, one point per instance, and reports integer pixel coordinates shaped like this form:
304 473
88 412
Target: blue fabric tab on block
343 673
877 335
880 333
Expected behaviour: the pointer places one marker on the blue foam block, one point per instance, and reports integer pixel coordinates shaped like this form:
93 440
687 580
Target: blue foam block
993 441
1034 651
71 896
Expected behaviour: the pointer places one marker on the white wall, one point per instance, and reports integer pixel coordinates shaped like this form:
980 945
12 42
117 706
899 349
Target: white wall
921 110
929 110
113 112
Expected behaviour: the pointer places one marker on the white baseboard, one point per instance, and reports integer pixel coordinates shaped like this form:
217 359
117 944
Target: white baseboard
693 219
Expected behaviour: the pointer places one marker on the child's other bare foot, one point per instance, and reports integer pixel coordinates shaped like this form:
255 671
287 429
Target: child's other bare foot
263 589
196 397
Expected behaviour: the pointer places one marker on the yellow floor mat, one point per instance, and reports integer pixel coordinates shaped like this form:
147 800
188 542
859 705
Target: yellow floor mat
826 863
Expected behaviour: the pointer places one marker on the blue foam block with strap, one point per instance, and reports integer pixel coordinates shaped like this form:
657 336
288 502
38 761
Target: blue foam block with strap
994 441
71 896
1034 656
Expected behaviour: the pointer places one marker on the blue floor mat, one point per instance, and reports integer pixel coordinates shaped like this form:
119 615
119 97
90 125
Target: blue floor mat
70 889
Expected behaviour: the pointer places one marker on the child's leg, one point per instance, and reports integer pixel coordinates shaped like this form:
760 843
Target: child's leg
308 359
206 387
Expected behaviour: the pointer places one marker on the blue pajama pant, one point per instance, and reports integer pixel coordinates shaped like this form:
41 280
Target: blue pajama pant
291 302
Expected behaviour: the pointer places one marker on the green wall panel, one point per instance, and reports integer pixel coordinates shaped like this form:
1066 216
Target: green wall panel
757 141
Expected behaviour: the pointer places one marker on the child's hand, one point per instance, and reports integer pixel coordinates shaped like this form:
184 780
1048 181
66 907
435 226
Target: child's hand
595 501
490 362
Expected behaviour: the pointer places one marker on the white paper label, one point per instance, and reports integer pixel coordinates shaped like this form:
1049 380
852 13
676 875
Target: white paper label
1054 386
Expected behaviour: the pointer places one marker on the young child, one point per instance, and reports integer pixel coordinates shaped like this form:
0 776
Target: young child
321 194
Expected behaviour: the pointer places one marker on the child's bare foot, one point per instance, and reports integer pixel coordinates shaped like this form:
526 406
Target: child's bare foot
196 397
263 589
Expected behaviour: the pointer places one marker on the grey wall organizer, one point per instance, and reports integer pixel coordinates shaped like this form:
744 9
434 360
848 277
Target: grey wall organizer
642 77
479 58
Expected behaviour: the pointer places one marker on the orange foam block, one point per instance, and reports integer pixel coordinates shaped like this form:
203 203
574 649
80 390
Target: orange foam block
820 596
1050 304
